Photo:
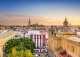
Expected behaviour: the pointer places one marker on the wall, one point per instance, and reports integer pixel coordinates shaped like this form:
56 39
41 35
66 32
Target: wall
72 49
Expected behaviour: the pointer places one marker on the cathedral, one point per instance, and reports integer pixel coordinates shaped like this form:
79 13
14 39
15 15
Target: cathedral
63 44
35 26
65 23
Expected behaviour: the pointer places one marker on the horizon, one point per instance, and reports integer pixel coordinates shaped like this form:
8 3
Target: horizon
53 12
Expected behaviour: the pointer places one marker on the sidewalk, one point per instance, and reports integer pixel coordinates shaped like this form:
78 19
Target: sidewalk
50 54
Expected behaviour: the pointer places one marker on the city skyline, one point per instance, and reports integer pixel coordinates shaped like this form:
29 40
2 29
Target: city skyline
53 12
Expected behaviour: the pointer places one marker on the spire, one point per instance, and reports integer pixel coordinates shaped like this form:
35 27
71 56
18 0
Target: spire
29 20
37 24
65 18
29 23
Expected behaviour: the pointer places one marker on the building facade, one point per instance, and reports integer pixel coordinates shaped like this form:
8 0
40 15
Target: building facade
40 42
63 46
64 43
35 26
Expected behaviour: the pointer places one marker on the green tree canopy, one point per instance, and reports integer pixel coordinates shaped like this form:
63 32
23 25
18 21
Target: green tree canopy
22 53
19 44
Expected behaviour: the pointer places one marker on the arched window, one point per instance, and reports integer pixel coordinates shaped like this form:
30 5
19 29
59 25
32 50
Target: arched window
52 32
72 49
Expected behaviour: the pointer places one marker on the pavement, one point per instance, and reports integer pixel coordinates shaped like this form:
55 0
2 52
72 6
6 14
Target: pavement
50 54
45 54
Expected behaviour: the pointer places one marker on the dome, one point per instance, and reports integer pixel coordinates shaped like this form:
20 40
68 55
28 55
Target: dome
65 23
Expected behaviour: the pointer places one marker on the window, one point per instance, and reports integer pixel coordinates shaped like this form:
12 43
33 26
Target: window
52 32
51 42
72 49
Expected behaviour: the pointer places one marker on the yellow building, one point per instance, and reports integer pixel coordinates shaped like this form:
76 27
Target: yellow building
4 37
64 44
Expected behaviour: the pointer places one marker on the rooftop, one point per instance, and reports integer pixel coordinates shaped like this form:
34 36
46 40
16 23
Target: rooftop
76 39
6 34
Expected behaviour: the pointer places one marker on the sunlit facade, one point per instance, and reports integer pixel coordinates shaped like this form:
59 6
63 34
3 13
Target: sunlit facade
64 44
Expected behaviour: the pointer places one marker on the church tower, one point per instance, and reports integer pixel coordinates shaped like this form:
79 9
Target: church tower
65 23
52 32
29 23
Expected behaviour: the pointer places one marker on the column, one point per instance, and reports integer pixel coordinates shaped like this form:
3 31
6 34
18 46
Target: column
36 41
39 41
1 51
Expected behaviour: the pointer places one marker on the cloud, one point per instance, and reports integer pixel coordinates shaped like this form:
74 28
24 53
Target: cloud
11 18
21 19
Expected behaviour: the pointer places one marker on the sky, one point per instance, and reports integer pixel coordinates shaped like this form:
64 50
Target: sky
47 12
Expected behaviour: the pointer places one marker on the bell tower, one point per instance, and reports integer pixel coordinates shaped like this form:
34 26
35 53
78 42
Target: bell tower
29 23
52 31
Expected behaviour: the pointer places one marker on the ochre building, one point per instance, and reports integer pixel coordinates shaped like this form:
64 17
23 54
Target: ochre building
63 44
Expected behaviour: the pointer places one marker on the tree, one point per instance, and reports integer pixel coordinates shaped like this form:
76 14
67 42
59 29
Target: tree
28 53
19 44
22 53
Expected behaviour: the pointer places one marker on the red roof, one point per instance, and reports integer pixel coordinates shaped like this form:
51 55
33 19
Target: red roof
64 54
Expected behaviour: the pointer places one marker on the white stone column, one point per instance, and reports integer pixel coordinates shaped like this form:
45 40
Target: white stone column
42 41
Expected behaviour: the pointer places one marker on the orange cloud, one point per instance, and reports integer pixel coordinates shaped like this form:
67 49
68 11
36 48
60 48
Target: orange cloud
21 19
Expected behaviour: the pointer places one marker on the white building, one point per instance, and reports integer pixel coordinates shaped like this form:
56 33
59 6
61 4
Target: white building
19 34
2 31
27 34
